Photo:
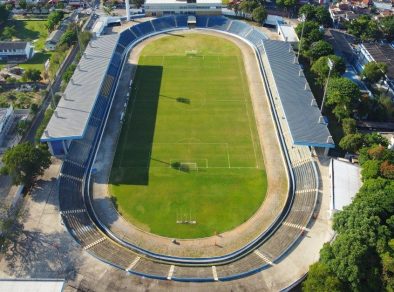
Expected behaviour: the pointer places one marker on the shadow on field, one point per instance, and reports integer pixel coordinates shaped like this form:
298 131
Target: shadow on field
133 156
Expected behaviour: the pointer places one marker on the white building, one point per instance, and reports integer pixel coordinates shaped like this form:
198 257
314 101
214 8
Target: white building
6 119
287 33
14 52
199 7
345 183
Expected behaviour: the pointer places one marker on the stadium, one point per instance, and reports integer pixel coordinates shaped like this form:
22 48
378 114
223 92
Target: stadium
167 119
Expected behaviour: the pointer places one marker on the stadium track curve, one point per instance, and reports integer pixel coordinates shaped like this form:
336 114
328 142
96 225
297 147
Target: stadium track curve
85 226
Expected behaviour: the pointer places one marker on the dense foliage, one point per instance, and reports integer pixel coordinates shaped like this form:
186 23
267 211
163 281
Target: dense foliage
53 19
361 258
374 71
315 13
342 96
24 162
321 69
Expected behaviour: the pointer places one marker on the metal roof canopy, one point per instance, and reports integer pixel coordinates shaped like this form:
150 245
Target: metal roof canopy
73 111
32 285
306 124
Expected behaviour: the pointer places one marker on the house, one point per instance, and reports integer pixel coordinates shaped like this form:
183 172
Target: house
370 52
15 52
53 39
347 11
6 119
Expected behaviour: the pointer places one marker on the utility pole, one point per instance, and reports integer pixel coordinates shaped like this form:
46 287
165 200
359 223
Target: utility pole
330 66
47 64
303 18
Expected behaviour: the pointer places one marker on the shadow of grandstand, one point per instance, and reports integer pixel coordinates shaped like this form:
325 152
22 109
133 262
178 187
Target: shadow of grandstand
174 34
133 156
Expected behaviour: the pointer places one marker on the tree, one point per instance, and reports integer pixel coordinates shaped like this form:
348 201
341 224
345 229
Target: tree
4 14
318 13
343 95
322 15
374 139
68 73
387 26
349 126
33 75
84 38
53 19
286 3
69 37
8 32
24 162
308 11
320 278
319 49
352 142
248 6
365 28
374 71
371 169
387 169
259 14
138 3
108 9
22 4
321 69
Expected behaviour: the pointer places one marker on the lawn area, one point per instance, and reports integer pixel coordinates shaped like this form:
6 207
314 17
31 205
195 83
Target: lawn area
189 149
36 32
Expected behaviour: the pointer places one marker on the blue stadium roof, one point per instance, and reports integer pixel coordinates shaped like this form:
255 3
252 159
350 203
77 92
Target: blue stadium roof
306 124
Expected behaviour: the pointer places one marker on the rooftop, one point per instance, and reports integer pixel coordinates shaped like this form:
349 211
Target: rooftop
345 183
382 53
183 2
288 33
303 116
73 111
13 45
29 285
55 36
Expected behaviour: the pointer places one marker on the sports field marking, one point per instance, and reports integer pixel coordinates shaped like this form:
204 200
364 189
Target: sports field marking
247 113
161 132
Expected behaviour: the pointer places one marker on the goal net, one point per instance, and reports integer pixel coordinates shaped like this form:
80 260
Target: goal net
191 53
185 166
188 166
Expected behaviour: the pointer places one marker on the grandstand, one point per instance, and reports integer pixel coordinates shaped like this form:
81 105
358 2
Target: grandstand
78 141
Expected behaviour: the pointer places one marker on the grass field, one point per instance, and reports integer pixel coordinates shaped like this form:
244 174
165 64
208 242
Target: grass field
36 32
189 149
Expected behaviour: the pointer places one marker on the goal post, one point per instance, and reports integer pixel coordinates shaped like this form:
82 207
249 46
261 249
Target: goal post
184 166
188 166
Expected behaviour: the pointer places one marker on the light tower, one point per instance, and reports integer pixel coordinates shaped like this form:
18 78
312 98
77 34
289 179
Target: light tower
127 10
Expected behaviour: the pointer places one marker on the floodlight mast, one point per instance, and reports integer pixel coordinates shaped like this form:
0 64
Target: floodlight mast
127 9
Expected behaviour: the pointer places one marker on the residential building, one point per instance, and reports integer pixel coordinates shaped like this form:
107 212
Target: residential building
15 52
53 39
374 52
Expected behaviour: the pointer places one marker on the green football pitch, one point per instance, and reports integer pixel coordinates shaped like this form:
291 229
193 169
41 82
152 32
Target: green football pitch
188 162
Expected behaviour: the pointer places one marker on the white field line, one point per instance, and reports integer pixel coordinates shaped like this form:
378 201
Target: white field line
247 113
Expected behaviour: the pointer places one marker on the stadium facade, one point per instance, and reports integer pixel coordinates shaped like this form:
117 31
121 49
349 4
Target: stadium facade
198 7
